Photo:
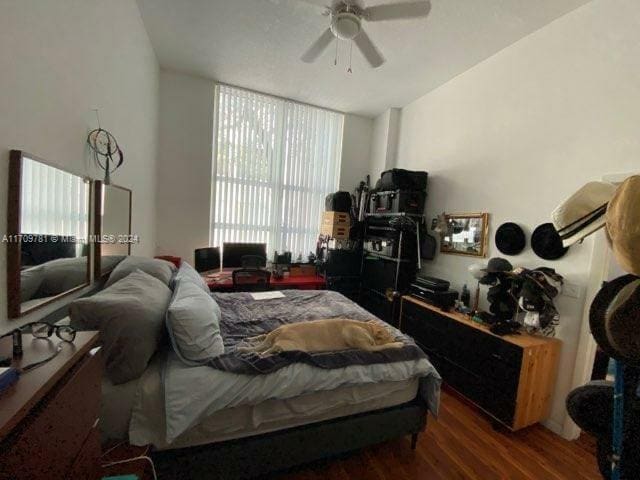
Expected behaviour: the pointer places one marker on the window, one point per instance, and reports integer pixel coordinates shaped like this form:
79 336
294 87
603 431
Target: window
275 161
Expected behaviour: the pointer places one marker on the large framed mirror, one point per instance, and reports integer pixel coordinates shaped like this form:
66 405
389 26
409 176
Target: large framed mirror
466 234
47 233
112 226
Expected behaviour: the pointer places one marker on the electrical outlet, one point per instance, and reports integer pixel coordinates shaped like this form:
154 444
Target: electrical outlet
571 290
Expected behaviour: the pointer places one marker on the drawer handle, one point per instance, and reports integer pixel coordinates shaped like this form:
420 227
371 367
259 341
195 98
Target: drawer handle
495 355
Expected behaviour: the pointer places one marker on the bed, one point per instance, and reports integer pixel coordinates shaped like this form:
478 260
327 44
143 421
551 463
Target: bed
244 419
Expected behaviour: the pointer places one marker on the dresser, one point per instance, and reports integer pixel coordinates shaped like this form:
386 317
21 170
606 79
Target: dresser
510 377
49 418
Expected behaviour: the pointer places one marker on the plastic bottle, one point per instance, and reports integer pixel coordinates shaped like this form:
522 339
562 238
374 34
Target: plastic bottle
465 296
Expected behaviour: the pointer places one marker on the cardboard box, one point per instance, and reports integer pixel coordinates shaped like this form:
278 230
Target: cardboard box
336 218
302 270
339 232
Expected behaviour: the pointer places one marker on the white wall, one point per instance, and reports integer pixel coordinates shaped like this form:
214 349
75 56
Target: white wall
524 129
379 158
384 144
184 170
58 61
356 149
185 155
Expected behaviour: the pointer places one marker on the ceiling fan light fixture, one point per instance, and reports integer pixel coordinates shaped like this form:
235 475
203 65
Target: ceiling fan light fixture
345 25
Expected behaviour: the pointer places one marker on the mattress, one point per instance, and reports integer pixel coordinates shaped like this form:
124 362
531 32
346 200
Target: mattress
148 425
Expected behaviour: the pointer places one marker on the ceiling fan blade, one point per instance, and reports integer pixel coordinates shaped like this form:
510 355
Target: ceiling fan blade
368 49
319 46
398 11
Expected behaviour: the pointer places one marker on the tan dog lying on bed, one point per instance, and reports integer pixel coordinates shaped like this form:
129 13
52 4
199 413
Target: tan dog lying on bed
326 335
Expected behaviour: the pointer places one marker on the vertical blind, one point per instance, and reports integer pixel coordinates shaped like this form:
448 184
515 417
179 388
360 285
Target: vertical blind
275 161
53 202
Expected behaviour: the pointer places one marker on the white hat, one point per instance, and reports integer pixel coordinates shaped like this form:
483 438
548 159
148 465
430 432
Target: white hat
583 212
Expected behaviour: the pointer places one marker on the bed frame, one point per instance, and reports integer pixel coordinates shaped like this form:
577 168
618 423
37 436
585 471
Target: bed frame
281 450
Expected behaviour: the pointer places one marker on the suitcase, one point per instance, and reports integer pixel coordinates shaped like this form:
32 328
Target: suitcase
399 179
388 244
398 201
338 202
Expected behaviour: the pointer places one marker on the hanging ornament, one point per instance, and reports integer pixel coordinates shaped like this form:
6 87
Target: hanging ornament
105 147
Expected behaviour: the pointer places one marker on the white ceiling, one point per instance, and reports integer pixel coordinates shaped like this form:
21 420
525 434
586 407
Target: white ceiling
257 44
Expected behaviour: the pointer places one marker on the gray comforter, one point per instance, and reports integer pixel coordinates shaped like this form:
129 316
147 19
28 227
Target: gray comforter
244 317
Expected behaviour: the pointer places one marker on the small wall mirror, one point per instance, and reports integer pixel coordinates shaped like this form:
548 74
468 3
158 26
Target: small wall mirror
466 234
48 231
112 226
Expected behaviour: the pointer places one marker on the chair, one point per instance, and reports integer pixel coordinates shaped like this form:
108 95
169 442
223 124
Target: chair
253 261
207 259
251 280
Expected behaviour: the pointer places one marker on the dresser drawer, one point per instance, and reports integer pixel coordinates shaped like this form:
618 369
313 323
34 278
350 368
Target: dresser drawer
505 376
46 444
497 361
475 387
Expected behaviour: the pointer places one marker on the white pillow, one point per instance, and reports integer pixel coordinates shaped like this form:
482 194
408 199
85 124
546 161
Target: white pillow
187 272
193 322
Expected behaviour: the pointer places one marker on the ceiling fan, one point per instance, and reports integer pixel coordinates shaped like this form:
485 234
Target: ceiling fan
346 18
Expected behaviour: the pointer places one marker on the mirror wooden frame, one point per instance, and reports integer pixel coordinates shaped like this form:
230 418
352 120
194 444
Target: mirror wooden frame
484 244
13 233
98 187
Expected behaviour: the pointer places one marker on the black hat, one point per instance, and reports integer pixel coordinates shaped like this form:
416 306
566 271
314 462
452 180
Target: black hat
546 242
614 318
510 238
495 270
498 265
532 297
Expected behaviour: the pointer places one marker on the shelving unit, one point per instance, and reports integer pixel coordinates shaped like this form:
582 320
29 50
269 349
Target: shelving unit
378 300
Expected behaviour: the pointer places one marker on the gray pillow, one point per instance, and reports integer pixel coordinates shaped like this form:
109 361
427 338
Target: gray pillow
63 274
130 316
30 281
187 272
193 322
160 269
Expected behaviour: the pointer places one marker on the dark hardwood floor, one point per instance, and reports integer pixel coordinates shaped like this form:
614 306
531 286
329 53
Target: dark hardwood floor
462 444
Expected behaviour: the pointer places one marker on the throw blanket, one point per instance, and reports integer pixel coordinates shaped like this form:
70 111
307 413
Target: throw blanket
244 317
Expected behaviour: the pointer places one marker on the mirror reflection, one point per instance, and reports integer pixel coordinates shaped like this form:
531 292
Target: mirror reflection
466 234
113 225
53 232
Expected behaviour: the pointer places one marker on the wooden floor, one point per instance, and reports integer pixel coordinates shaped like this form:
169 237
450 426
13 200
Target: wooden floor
462 444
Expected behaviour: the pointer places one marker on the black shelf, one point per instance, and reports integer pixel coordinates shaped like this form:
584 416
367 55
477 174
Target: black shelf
401 214
387 257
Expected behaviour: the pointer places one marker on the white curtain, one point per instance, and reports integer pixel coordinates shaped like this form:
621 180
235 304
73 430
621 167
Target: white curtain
275 161
54 202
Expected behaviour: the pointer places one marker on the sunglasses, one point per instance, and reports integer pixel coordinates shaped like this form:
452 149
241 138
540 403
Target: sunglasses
45 330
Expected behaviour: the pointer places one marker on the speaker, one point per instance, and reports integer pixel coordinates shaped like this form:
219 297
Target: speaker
207 259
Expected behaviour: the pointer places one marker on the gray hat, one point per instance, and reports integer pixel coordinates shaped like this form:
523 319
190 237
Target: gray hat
498 265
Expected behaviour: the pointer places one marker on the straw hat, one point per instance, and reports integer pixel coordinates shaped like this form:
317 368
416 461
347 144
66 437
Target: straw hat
623 224
583 212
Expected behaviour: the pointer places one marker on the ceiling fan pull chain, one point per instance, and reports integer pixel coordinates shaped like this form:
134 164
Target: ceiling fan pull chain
335 61
350 56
